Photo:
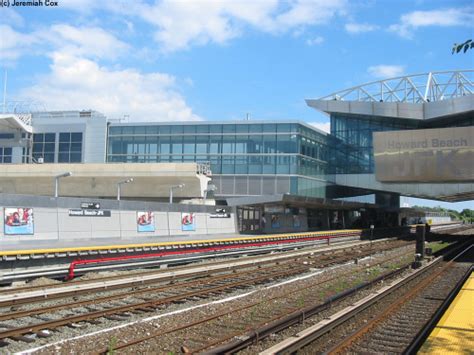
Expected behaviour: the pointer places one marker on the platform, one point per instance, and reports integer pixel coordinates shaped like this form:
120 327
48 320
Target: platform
454 333
50 248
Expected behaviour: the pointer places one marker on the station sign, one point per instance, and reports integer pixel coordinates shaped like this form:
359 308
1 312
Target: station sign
220 213
428 155
90 205
89 213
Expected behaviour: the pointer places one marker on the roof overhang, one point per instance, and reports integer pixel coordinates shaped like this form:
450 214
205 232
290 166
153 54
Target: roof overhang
404 110
14 122
297 201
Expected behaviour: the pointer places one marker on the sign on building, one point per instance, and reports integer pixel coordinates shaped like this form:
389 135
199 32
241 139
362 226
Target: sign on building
89 213
428 155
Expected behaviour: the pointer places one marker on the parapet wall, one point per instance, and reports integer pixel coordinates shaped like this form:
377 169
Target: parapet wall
32 218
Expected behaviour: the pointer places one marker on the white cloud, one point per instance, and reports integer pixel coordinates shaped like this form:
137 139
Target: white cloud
11 17
86 41
14 44
90 42
323 126
181 24
79 83
444 18
315 41
356 28
386 71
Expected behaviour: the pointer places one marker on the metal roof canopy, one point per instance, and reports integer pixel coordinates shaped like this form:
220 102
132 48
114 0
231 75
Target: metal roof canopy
17 122
298 201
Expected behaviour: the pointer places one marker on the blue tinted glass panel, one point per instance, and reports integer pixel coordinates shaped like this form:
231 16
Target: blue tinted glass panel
50 137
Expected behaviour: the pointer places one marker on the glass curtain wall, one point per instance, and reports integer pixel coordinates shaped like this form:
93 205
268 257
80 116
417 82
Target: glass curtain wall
351 141
232 149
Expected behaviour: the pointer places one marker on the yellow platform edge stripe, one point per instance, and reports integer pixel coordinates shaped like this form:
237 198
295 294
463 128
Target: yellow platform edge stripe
178 242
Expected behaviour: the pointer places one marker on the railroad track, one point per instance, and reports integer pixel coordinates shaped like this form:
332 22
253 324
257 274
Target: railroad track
386 321
144 300
30 294
39 322
204 333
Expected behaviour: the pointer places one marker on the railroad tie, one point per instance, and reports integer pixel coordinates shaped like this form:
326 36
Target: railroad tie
24 338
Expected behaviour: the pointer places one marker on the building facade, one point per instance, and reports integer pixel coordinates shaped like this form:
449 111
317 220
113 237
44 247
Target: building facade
247 158
255 158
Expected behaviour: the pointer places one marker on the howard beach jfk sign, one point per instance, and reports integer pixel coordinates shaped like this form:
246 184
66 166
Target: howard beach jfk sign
89 213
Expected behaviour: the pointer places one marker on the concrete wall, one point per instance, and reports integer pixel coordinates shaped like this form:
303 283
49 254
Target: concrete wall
52 220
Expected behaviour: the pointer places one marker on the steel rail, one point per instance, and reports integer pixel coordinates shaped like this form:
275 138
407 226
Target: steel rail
210 277
305 337
357 335
242 308
168 261
141 305
77 288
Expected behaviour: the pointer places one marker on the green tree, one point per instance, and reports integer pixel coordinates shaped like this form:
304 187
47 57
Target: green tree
469 44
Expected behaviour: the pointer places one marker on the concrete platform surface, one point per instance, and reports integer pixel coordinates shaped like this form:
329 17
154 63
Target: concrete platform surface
454 333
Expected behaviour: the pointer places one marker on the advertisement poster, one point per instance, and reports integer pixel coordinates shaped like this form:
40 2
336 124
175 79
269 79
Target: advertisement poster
275 221
296 222
145 221
188 221
18 221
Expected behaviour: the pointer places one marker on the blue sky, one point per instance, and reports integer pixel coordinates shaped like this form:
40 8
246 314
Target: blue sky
218 60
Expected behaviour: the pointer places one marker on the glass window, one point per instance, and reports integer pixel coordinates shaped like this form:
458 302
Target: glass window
283 128
214 144
269 164
70 147
255 164
152 130
201 144
242 128
241 165
189 145
50 137
228 144
115 130
228 128
6 155
202 128
255 128
269 128
286 143
227 165
215 128
189 129
76 137
269 143
140 130
64 137
164 129
165 146
254 144
177 148
176 129
127 130
283 164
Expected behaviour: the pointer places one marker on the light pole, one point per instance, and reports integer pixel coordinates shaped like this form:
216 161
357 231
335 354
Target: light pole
180 186
56 182
119 187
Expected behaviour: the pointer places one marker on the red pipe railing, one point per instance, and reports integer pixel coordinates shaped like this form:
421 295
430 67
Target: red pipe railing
75 263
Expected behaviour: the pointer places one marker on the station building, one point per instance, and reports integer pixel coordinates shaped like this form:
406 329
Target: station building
410 136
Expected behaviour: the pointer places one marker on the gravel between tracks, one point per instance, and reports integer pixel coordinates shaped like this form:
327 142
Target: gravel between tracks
89 343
